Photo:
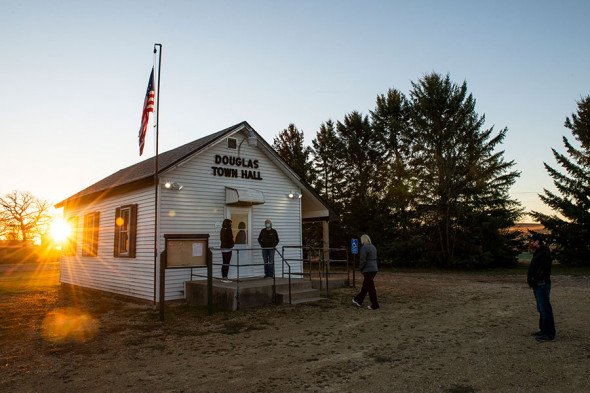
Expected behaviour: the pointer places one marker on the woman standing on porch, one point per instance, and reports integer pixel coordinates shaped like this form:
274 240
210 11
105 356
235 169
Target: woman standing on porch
368 266
227 243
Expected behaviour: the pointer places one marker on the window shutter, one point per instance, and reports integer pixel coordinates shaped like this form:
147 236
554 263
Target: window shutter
132 230
72 241
96 229
117 230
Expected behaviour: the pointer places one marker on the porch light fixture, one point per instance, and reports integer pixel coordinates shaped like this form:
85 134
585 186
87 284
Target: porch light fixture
172 185
293 194
250 139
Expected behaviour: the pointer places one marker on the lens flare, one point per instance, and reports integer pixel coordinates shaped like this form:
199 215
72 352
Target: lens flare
60 230
68 324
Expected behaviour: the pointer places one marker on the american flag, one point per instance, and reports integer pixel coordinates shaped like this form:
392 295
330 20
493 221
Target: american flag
148 106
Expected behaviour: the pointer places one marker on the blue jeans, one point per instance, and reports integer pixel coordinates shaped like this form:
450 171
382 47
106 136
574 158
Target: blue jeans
268 256
546 322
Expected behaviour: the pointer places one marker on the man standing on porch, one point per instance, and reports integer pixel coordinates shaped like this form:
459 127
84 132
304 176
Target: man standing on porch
268 240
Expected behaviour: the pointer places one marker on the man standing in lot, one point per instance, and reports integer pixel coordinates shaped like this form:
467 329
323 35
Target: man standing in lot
539 279
268 240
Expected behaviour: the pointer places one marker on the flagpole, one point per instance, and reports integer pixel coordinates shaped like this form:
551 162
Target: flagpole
156 175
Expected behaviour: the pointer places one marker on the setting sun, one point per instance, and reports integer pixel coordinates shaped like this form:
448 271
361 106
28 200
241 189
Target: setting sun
60 230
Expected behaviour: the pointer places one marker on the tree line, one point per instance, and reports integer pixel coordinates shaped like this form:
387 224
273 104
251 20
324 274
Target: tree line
422 175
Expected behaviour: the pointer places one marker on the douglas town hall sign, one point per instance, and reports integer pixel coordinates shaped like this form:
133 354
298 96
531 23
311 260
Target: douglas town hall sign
241 171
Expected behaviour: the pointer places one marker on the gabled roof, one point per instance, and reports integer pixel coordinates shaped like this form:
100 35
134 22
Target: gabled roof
144 171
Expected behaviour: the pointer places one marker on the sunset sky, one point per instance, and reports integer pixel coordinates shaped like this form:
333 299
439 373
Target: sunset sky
74 75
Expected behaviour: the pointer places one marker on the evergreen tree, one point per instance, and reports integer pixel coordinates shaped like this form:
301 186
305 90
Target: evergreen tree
571 232
363 181
389 120
328 166
461 182
289 145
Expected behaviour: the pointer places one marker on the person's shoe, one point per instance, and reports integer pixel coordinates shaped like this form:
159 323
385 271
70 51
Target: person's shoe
537 334
225 280
372 308
544 337
356 303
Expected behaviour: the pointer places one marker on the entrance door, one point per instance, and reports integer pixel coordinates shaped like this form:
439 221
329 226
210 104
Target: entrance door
241 218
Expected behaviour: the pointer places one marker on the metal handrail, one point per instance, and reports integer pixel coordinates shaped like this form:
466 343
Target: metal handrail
325 262
284 261
302 260
327 265
324 267
310 251
238 265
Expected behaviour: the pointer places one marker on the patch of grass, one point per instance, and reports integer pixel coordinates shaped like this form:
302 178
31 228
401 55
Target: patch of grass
27 282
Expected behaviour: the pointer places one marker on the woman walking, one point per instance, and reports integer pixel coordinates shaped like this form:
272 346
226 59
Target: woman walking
368 266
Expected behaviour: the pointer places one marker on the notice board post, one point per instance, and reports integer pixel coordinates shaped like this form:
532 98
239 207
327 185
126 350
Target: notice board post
181 251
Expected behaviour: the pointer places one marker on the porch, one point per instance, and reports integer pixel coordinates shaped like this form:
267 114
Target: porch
257 292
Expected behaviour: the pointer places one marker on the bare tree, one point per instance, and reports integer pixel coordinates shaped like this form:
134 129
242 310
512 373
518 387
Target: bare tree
23 216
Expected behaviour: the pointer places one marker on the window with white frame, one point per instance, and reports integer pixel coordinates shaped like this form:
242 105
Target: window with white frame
125 231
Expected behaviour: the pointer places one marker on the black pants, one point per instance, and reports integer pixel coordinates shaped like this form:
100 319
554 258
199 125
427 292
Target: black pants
226 260
368 287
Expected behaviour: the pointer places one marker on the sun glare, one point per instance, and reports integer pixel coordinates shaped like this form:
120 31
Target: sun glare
60 230
68 324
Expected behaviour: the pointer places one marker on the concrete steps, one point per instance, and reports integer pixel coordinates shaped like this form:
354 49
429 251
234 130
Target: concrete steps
298 295
256 292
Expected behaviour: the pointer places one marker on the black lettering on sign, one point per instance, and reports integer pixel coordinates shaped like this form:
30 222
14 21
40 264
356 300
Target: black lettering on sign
238 162
224 172
254 175
230 172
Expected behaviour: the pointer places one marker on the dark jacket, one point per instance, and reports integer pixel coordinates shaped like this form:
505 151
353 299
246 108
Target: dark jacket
226 235
268 238
540 267
368 259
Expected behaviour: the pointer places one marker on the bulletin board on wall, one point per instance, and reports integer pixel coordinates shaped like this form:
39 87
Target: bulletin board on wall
186 250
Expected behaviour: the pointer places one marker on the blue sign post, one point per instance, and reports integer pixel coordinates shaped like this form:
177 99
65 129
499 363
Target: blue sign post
354 249
354 246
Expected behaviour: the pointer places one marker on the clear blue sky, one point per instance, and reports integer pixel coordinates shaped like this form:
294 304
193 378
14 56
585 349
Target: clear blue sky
74 75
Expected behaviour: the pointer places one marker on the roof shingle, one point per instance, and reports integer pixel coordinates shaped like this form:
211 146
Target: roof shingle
145 169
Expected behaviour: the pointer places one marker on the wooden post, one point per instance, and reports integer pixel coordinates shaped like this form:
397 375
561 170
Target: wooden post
162 286
209 281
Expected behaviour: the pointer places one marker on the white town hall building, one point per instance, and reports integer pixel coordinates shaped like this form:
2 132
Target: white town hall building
233 173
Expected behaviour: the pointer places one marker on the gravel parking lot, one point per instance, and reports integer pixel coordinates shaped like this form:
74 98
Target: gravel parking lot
435 332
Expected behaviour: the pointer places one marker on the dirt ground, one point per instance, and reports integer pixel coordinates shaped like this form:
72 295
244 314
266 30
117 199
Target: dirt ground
435 332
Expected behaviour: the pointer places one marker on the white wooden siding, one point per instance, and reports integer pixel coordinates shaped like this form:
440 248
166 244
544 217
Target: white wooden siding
126 276
199 208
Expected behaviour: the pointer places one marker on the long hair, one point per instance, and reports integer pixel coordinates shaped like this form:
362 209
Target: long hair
226 223
365 239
